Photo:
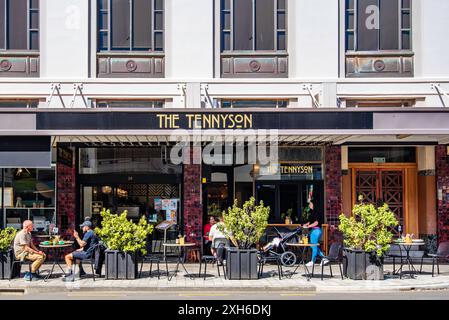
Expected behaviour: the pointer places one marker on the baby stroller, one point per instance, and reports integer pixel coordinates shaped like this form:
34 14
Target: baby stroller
278 247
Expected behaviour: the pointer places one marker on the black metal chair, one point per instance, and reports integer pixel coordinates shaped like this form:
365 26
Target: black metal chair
441 254
90 260
334 257
18 264
263 260
213 259
392 254
151 257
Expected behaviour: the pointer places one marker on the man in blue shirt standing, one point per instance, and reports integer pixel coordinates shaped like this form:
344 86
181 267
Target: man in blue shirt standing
86 250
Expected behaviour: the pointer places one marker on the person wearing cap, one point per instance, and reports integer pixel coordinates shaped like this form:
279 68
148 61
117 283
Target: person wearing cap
87 244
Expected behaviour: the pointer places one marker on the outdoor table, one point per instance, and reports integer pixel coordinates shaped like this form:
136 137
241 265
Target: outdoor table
303 248
180 259
56 248
407 247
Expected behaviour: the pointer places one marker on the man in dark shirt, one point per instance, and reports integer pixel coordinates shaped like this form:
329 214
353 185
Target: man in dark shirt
87 245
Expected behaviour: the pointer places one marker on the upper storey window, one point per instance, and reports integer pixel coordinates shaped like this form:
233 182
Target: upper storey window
254 38
378 38
131 25
130 28
19 38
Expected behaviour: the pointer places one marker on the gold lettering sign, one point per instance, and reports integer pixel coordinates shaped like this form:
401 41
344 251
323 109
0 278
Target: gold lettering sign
296 169
205 121
287 169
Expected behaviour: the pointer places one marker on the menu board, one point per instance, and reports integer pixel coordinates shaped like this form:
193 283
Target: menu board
9 199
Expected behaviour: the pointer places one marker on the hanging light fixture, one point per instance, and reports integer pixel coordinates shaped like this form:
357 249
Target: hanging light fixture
106 189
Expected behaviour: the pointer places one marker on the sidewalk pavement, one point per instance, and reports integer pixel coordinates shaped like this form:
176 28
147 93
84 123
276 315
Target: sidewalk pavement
269 281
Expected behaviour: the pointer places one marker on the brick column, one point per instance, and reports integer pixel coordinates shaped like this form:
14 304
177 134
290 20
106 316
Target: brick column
192 197
333 185
66 198
442 176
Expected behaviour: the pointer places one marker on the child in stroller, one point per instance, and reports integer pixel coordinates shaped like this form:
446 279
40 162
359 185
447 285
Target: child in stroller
277 248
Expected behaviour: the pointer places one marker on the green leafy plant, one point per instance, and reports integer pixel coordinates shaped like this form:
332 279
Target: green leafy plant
119 233
306 213
6 238
288 214
213 210
368 228
245 225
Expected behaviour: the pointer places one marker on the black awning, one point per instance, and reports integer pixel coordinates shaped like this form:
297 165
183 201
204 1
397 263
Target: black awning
25 151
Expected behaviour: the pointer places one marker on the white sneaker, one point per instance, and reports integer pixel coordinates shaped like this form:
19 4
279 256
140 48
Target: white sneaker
324 262
309 264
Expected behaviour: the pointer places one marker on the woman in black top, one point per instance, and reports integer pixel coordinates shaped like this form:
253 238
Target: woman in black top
314 222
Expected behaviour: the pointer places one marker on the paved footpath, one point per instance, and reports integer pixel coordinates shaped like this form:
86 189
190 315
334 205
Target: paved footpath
269 281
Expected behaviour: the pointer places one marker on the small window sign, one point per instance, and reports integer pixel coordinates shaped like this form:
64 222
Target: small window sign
379 160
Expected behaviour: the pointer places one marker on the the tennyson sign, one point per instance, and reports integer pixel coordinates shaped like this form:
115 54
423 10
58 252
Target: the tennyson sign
205 121
217 119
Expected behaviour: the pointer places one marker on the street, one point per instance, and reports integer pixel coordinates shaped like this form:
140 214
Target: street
224 295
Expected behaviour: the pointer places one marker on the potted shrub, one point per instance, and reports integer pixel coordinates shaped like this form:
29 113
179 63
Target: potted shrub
367 238
244 227
124 240
6 253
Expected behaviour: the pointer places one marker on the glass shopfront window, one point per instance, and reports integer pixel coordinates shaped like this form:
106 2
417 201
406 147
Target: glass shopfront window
291 184
120 160
28 194
141 181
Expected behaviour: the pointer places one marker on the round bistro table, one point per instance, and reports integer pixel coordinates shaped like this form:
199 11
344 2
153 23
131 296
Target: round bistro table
56 249
303 249
407 247
180 259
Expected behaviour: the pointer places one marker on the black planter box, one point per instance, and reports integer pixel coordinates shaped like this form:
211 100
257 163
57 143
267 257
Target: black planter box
120 265
241 264
362 265
6 260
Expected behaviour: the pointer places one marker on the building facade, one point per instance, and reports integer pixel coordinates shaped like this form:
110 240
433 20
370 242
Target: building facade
91 92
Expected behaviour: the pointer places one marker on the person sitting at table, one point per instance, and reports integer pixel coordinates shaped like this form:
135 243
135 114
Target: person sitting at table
85 251
219 240
207 227
24 249
315 235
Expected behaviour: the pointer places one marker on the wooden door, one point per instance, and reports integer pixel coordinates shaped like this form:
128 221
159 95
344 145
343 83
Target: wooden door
381 185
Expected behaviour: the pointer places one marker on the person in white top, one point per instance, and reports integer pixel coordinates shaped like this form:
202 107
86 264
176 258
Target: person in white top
216 234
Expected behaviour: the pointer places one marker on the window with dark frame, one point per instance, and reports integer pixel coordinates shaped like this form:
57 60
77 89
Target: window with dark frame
253 25
235 103
144 104
378 25
19 25
131 25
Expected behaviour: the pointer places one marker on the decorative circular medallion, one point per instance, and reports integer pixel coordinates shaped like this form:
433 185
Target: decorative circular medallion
131 65
379 65
5 65
254 66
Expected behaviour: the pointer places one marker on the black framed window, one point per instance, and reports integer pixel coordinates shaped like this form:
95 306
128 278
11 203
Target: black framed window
19 25
225 103
130 25
378 25
253 25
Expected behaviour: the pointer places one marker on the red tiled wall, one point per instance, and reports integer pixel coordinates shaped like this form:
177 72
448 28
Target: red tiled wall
333 201
193 212
66 197
442 173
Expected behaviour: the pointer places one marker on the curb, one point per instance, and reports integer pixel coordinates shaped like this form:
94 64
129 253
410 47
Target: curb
28 290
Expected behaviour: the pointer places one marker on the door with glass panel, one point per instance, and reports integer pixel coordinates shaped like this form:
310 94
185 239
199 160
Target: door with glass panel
381 185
